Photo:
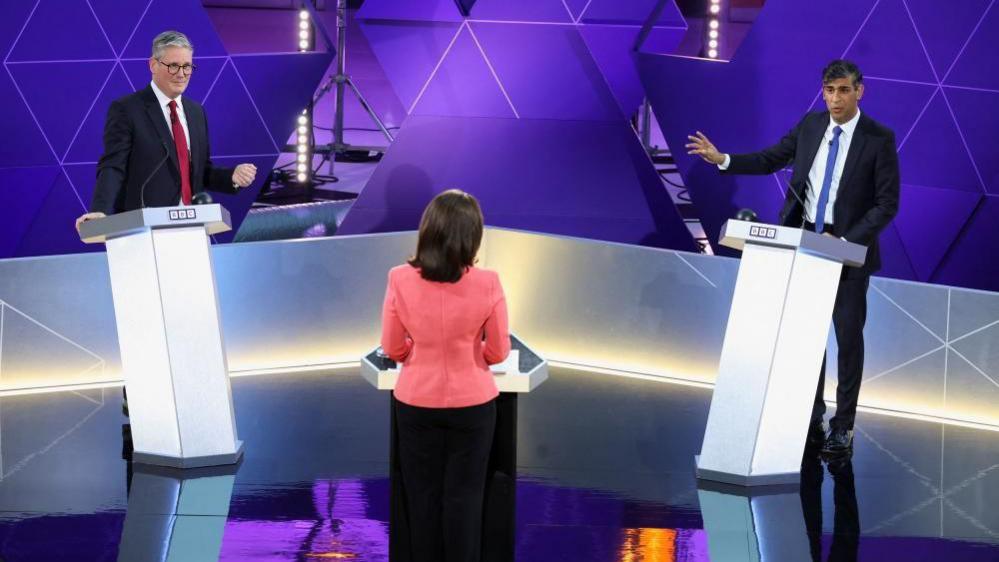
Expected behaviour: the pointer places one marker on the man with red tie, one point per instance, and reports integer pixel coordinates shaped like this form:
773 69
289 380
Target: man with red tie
156 150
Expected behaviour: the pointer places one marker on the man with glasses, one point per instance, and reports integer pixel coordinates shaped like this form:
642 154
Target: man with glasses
156 142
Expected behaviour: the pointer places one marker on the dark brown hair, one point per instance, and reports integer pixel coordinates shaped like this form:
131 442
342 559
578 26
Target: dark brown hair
450 235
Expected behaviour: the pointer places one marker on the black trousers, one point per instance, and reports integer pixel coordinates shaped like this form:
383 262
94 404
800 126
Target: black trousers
849 317
443 453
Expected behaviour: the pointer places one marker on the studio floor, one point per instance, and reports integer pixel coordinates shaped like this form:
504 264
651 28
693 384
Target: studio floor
605 473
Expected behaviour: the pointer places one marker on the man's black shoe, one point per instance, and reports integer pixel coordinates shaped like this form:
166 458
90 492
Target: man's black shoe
840 440
816 437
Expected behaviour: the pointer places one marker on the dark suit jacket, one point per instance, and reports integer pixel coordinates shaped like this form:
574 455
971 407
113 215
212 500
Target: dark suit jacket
867 197
136 139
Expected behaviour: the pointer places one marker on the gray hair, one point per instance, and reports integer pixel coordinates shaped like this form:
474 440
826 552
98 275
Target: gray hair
170 39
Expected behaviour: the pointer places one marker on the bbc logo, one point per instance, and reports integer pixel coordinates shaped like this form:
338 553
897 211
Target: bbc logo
763 232
182 214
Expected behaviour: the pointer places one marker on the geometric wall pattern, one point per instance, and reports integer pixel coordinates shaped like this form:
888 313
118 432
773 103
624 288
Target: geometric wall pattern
65 61
930 75
525 104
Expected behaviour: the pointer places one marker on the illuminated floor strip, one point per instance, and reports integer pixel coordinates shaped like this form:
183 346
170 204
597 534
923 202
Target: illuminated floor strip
328 367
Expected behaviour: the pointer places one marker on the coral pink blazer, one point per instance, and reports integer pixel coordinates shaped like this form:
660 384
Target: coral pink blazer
435 330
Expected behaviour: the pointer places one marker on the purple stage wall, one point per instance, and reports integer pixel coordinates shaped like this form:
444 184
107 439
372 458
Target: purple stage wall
64 61
930 74
525 104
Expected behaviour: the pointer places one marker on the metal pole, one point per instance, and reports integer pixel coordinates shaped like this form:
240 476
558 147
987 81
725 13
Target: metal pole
645 125
341 79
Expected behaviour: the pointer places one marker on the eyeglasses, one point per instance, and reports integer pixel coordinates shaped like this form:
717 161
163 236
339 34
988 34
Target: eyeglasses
174 68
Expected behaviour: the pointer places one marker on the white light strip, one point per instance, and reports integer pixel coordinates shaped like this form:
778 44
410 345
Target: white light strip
294 370
710 386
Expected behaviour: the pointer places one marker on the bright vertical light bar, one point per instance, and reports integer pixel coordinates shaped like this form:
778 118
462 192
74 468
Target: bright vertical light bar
304 31
303 164
712 37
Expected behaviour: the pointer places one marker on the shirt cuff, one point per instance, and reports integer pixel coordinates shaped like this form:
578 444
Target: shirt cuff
724 165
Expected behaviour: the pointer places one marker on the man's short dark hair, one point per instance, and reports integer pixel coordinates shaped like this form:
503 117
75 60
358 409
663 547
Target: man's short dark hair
841 68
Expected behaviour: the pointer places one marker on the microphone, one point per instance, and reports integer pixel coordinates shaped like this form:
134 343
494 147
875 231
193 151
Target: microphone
202 198
142 190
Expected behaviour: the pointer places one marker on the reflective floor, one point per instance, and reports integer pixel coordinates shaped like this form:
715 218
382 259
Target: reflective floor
605 474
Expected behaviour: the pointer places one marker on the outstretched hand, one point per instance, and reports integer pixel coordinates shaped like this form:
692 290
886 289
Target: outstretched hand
701 146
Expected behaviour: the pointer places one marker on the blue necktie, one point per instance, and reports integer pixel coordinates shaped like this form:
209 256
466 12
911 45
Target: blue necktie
820 211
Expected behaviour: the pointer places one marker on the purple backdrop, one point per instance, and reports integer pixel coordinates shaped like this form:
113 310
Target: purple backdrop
930 73
66 60
525 103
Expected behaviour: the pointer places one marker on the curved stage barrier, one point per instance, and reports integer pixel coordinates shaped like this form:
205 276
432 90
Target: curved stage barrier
313 305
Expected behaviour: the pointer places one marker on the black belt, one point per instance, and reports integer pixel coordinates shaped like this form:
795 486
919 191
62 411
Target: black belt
811 226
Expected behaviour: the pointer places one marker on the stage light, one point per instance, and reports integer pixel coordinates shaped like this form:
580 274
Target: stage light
713 34
304 31
304 146
713 24
713 44
713 54
715 8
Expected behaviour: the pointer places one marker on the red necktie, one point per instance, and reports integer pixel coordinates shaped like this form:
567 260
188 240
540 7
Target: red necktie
180 140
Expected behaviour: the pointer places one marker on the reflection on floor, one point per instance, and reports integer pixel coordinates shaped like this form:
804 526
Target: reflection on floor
605 474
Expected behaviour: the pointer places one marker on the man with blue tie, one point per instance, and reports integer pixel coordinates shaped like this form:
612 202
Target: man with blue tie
845 183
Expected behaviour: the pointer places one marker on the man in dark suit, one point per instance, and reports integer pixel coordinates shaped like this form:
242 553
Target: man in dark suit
156 142
845 183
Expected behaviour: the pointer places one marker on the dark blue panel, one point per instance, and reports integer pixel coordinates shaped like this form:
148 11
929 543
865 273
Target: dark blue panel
929 221
118 19
944 28
425 10
579 178
60 110
978 65
234 125
22 191
934 155
88 143
971 257
30 147
53 230
282 85
977 115
888 46
186 16
547 71
62 30
463 85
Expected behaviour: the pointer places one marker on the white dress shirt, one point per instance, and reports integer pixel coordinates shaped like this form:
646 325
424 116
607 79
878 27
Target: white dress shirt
818 170
165 106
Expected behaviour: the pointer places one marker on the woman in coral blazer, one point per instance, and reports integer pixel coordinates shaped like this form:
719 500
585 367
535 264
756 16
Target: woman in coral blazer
445 320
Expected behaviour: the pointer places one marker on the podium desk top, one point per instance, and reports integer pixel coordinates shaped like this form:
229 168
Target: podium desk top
523 371
736 234
215 218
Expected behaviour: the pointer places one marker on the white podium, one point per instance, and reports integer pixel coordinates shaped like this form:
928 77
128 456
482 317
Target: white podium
772 353
170 333
522 372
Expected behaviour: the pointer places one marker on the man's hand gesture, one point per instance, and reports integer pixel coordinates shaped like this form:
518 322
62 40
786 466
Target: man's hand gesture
701 146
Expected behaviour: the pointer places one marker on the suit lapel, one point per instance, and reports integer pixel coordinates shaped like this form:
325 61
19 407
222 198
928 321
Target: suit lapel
856 148
814 141
194 129
159 123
